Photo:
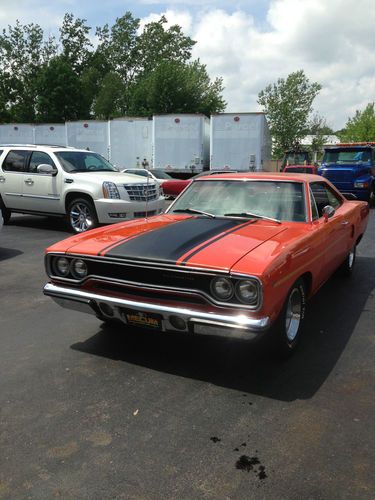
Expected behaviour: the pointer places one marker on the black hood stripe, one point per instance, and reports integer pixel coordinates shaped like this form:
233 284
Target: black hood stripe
202 247
169 243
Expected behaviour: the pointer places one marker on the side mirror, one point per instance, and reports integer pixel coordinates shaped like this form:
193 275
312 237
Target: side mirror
44 168
328 212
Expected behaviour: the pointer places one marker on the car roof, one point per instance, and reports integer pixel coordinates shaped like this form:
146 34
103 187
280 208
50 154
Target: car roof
43 147
267 176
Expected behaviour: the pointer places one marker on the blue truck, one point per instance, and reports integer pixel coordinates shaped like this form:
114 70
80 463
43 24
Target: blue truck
351 168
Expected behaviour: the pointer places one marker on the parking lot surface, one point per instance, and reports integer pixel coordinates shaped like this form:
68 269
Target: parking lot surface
89 411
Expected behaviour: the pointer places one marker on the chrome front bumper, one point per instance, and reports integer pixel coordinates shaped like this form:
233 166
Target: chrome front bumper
205 323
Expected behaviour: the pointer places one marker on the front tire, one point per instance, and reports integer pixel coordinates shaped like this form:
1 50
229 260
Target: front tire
82 215
288 327
348 264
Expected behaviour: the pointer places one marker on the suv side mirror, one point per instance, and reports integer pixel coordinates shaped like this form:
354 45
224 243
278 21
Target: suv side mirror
328 212
44 168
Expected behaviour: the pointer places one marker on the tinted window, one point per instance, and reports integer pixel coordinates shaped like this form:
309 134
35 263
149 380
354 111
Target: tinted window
15 161
79 161
39 158
324 196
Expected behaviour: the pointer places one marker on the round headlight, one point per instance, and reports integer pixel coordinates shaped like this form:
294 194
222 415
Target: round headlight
79 268
247 291
62 266
222 288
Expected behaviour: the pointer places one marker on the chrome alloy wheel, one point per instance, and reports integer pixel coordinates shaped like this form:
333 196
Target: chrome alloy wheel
293 314
351 258
80 217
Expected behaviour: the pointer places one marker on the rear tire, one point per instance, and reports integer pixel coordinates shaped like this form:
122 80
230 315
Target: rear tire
82 215
287 330
6 213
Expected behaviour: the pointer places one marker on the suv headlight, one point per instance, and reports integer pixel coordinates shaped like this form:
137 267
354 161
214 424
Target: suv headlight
222 288
110 190
247 291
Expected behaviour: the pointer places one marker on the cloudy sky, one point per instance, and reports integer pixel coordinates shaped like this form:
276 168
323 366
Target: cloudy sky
251 43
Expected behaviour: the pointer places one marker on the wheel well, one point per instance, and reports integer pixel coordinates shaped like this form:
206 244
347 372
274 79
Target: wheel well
76 194
307 278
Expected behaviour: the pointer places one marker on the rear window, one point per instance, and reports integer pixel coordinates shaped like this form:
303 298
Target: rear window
16 161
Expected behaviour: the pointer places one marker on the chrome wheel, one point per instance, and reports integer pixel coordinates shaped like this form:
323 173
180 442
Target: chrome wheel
351 258
81 217
293 314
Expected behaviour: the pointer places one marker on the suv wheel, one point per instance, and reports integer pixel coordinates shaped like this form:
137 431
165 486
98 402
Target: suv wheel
82 215
6 213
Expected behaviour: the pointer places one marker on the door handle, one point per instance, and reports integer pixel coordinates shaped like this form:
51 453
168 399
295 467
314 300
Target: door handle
344 222
2 179
29 182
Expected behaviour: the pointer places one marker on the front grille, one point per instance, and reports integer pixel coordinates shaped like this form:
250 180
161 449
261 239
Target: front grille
338 175
144 214
141 192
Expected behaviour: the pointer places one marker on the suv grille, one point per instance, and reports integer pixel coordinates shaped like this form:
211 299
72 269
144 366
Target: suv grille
141 192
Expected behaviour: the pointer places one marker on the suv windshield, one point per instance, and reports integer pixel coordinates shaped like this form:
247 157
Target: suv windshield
347 156
80 161
272 199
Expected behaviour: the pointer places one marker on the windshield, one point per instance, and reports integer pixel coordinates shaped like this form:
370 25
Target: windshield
299 170
273 199
293 158
160 174
80 161
347 156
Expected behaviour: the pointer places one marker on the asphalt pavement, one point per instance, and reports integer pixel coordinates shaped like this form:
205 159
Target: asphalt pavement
92 412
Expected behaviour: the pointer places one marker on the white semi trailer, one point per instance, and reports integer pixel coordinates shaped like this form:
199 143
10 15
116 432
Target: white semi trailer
181 142
130 142
240 141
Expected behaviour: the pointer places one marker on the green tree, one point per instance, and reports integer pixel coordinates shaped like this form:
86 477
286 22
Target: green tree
288 104
23 51
319 130
361 127
177 87
60 92
110 99
75 41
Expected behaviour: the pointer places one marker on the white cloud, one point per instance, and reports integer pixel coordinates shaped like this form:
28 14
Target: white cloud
333 42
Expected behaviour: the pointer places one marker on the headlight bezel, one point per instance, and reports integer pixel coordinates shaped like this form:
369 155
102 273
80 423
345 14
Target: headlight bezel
214 293
71 275
236 299
240 296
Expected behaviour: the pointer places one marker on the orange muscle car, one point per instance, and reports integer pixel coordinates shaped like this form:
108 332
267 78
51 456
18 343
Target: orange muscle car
235 255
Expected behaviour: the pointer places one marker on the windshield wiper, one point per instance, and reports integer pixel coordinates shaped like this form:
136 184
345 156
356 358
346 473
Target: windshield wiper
194 211
251 214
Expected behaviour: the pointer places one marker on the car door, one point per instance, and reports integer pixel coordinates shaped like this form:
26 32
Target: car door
334 233
41 191
11 178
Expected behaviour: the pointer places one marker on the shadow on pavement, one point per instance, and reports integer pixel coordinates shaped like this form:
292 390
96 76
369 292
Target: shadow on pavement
39 222
330 321
9 253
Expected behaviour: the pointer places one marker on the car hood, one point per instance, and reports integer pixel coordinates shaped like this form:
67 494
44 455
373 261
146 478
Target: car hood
175 240
116 177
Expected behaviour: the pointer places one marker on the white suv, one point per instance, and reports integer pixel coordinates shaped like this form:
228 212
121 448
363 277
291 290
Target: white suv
79 184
